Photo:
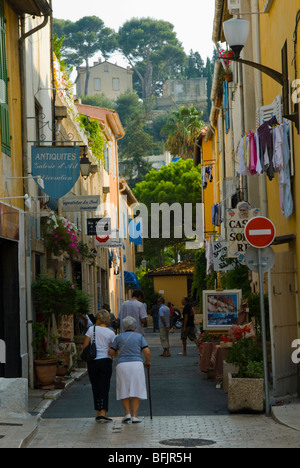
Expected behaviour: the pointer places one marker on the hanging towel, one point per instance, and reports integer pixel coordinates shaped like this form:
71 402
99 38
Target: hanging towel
253 154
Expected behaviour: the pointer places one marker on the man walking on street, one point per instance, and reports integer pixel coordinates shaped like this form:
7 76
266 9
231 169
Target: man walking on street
134 308
188 329
164 327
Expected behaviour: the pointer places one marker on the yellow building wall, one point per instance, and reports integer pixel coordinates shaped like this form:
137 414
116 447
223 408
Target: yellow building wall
277 27
174 287
12 166
208 195
274 38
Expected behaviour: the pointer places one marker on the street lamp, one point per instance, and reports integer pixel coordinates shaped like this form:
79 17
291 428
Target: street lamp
236 32
85 165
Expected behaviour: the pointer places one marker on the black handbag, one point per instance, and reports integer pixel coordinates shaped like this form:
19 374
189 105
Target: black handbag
89 353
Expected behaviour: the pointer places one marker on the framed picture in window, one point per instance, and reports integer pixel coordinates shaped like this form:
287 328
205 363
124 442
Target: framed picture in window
221 309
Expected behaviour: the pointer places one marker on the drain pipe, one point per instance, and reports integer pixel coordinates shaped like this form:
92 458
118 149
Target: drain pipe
46 10
262 179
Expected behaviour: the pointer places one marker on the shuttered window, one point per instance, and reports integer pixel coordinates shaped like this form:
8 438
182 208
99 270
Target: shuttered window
4 111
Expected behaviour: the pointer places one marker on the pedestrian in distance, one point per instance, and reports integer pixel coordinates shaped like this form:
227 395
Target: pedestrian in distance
155 317
134 308
188 328
114 323
100 370
164 327
130 373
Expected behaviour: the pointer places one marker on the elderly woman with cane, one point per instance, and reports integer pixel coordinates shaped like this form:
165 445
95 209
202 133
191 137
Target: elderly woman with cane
131 381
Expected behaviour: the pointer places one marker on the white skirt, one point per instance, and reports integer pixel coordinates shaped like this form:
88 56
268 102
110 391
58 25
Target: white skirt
131 381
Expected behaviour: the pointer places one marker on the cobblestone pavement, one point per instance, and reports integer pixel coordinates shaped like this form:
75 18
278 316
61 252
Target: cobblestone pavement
243 431
58 430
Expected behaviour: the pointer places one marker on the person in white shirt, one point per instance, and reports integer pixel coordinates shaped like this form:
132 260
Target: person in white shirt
100 370
134 308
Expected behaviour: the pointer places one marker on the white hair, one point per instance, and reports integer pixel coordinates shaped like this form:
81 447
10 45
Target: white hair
129 323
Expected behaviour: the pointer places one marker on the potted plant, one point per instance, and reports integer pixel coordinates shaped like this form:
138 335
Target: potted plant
61 237
246 388
53 298
46 361
226 56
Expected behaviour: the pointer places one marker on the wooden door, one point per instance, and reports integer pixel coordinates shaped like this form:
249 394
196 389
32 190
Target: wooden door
283 296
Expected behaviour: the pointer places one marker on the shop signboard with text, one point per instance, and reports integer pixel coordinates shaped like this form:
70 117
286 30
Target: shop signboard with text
58 167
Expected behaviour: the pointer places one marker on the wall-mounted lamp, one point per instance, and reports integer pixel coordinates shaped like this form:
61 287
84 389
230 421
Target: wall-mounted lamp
85 164
236 32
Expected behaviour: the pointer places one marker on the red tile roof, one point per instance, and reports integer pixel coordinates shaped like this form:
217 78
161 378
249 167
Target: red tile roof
185 268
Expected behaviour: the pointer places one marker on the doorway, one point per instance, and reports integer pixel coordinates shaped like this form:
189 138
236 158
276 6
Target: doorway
10 308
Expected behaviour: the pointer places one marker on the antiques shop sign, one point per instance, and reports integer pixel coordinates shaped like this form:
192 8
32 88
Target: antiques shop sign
58 167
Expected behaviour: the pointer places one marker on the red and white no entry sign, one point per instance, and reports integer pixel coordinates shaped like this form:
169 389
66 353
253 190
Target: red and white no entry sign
260 232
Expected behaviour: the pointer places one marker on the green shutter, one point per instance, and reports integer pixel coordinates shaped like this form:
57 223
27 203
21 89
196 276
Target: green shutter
4 110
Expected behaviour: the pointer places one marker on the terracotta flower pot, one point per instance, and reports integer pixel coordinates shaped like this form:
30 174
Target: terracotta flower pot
228 78
46 371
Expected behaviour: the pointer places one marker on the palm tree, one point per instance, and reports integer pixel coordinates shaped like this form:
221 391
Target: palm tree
182 129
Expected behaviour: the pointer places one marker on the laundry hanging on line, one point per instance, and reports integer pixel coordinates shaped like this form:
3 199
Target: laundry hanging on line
207 175
268 151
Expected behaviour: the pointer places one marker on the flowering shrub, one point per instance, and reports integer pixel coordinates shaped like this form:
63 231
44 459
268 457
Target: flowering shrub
204 338
226 55
241 333
59 297
226 339
60 237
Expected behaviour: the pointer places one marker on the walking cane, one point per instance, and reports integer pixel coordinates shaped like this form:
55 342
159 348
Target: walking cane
149 391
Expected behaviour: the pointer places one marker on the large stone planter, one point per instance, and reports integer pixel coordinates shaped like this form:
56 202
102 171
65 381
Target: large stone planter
13 398
245 395
228 369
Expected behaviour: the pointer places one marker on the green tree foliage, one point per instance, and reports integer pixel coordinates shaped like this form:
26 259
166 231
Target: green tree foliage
99 100
195 66
127 106
181 130
178 183
152 49
135 146
83 39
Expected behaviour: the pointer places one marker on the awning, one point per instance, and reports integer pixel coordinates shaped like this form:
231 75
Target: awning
131 279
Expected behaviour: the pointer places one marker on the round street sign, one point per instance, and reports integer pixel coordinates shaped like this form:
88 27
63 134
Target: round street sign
268 259
260 232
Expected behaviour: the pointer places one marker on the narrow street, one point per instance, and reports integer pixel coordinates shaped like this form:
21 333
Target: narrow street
185 406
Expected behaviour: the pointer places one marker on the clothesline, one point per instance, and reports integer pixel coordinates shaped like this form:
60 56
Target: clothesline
268 151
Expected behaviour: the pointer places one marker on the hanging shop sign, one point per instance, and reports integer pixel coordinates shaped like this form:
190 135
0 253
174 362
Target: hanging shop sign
110 241
100 227
77 204
221 260
236 222
58 167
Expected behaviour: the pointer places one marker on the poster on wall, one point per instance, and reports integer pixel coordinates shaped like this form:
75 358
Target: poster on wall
58 167
221 309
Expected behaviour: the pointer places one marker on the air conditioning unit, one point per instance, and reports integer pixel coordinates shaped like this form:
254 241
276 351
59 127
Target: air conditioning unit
234 6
